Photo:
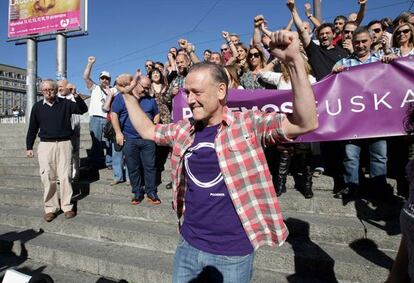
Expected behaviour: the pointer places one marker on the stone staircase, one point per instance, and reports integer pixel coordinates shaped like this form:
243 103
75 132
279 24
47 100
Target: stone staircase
111 240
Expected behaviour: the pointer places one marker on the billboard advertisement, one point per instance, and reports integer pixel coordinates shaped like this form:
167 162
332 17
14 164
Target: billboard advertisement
30 18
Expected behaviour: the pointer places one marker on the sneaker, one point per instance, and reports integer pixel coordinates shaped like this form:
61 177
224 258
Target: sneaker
137 200
152 198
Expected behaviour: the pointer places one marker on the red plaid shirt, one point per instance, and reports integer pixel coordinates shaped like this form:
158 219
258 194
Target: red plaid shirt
243 164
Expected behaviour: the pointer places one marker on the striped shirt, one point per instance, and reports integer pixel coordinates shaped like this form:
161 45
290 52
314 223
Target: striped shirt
353 60
239 147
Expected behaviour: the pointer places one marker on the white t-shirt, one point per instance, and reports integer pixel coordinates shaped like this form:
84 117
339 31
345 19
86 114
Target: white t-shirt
98 98
277 80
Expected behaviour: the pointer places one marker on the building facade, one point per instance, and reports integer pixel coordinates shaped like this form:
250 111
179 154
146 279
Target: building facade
12 91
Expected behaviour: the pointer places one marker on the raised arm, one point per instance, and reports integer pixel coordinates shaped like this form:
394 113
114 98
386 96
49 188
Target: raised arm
87 72
189 48
285 46
361 12
304 35
308 12
257 37
233 49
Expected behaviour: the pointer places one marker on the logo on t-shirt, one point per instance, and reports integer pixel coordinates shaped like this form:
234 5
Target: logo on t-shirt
206 184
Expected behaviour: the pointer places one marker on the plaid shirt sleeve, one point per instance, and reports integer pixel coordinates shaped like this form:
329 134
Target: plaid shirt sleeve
268 127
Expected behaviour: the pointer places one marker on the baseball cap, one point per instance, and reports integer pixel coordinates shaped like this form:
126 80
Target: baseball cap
105 74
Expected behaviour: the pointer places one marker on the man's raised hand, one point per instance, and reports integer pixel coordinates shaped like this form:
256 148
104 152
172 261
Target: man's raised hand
290 4
285 45
91 59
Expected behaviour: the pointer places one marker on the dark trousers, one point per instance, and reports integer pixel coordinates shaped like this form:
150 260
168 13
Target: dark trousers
140 161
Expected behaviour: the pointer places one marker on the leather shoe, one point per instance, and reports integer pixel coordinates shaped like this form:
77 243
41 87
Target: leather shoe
70 214
48 217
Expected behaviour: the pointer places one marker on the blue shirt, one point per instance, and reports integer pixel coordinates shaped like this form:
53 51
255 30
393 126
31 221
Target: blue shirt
148 105
353 60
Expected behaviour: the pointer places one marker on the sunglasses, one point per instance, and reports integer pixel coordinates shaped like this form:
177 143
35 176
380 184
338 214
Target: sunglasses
399 32
256 55
148 66
376 30
224 49
348 31
144 88
104 78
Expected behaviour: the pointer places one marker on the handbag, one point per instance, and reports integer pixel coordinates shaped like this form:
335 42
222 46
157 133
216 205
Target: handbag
108 131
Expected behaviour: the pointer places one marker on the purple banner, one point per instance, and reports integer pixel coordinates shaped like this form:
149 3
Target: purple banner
365 101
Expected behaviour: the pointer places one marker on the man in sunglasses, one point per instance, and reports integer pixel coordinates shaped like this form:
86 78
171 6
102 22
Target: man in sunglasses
139 153
97 159
380 40
219 170
347 36
149 65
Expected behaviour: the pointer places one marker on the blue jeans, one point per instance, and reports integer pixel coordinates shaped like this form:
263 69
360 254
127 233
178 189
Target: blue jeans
96 155
377 161
193 265
118 165
140 160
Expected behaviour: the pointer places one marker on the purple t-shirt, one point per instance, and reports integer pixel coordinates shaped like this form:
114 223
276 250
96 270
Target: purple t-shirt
211 223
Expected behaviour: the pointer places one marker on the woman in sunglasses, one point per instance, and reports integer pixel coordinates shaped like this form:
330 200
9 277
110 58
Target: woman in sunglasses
256 62
403 39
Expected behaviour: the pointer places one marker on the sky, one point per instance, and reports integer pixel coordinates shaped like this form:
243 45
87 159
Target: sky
122 34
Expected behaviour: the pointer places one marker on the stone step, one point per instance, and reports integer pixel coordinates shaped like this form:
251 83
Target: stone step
58 274
142 265
32 170
65 275
86 255
322 203
318 227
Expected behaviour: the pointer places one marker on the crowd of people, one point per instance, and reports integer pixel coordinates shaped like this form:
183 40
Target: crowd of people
131 126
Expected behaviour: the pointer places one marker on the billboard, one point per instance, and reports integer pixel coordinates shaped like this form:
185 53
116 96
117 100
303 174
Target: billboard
30 18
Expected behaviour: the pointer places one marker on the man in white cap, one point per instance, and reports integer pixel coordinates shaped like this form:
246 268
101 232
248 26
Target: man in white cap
98 116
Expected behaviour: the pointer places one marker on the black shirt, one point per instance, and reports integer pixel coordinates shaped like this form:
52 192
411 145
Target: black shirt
53 121
322 60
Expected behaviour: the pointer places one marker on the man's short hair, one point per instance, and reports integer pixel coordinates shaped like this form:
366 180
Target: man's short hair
361 29
340 17
373 22
53 82
351 23
207 50
325 25
217 72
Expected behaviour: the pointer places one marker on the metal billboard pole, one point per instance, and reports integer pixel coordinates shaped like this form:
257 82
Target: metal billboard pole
31 76
61 56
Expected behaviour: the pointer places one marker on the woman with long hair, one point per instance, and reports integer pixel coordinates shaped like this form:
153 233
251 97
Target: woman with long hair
403 39
256 62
